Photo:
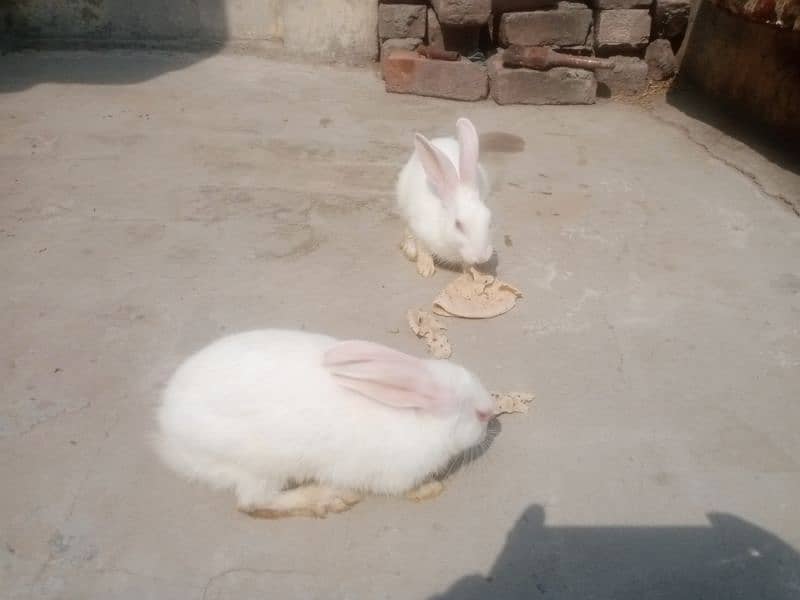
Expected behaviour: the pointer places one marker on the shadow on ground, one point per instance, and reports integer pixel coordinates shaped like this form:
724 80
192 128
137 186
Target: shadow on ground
779 149
198 26
728 559
711 31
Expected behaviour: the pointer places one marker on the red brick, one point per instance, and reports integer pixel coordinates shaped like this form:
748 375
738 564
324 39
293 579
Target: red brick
621 30
389 46
398 44
462 12
528 86
401 21
407 72
566 26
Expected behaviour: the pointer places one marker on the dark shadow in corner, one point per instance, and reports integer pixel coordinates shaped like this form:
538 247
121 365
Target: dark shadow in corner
603 91
730 559
781 151
780 147
193 29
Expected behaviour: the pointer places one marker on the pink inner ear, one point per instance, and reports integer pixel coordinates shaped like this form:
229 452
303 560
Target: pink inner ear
386 394
468 151
439 169
385 375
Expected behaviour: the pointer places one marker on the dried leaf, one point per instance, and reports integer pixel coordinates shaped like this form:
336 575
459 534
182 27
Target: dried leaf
476 295
512 402
426 326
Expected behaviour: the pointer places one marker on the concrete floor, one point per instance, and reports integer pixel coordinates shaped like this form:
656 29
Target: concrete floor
151 203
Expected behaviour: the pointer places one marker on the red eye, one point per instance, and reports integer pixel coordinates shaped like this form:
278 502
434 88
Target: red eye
483 416
460 226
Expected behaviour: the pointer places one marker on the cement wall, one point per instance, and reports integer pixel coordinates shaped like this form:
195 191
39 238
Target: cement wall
320 29
750 67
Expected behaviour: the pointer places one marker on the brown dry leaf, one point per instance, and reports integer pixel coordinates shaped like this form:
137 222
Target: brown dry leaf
476 295
426 326
512 402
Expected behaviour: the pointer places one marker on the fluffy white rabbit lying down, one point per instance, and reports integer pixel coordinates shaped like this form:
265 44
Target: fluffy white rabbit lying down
257 411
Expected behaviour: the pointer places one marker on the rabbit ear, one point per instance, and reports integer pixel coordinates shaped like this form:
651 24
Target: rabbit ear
385 375
439 169
468 151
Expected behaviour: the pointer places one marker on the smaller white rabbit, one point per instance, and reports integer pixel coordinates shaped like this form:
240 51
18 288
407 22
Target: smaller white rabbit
441 193
262 410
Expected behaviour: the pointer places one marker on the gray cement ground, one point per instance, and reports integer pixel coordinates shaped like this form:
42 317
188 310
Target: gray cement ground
152 203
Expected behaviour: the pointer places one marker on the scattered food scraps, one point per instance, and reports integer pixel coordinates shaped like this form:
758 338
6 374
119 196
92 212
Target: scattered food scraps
476 295
426 326
512 402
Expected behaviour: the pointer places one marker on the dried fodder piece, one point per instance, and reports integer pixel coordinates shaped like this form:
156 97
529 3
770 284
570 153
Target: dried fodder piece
426 326
476 295
512 402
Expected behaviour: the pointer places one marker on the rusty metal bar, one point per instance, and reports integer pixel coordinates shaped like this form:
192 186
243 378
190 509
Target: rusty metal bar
542 59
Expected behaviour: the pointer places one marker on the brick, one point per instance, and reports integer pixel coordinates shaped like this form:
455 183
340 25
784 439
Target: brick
627 78
565 26
660 59
670 18
401 21
616 4
463 40
527 86
621 30
407 72
399 44
462 12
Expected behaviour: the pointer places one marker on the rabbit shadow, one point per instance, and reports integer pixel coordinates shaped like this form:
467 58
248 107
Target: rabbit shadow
472 454
489 267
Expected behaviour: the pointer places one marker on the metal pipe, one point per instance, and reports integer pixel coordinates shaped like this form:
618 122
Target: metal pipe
542 59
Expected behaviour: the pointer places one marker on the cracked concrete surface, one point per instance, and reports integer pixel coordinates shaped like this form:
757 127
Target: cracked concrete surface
773 168
659 330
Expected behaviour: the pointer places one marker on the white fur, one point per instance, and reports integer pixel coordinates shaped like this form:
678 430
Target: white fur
256 410
432 218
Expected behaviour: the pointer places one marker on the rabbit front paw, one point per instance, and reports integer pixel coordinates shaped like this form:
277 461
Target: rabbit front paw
409 247
427 491
425 265
307 501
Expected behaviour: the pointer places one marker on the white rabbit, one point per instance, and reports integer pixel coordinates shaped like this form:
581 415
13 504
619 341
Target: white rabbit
262 410
441 193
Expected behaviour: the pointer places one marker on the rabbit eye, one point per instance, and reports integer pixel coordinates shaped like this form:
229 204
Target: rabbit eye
459 226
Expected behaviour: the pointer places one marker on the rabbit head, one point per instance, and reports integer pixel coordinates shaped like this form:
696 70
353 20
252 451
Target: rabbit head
463 225
437 389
